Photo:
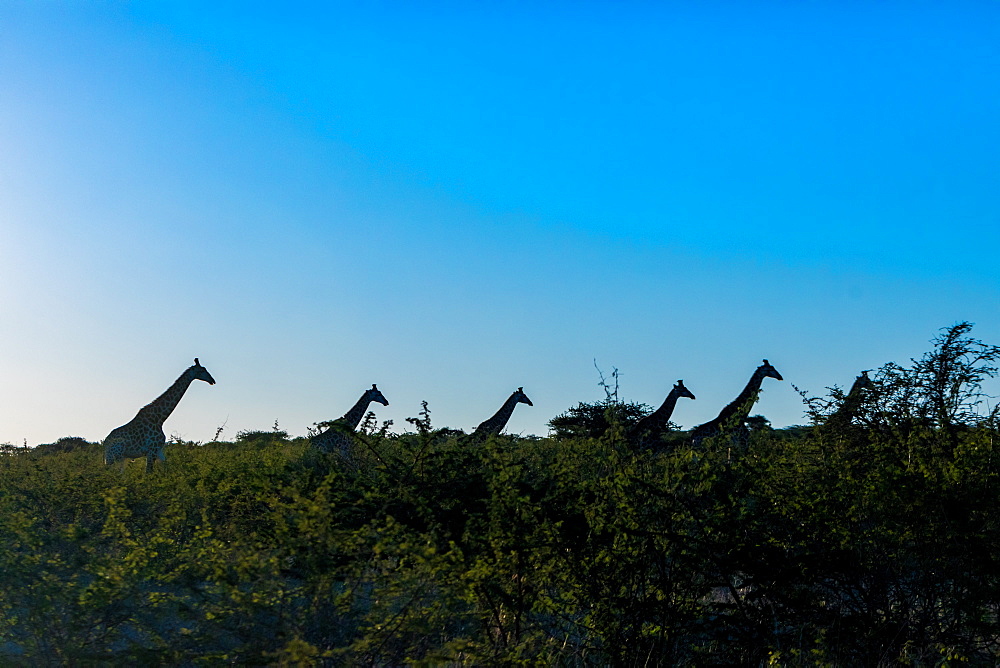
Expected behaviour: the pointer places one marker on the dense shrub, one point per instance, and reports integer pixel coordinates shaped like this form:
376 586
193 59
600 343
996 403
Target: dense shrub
65 444
592 420
803 550
834 545
257 436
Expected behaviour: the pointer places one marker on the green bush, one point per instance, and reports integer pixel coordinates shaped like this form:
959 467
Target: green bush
851 544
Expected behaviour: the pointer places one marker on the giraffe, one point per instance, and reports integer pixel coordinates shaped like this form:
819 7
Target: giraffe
143 436
338 436
732 417
852 401
495 424
649 429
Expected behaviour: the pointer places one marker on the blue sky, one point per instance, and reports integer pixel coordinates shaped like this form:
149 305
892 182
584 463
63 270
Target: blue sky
456 199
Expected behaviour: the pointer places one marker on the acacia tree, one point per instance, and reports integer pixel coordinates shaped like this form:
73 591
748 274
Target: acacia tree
943 389
593 420
950 378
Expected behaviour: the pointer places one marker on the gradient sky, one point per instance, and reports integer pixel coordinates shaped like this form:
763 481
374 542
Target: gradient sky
456 199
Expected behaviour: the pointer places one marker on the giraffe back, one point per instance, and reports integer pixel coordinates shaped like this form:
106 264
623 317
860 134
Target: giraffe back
138 438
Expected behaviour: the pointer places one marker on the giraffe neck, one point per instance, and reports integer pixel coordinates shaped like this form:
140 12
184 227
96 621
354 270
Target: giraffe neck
160 408
499 420
660 417
352 418
663 413
740 407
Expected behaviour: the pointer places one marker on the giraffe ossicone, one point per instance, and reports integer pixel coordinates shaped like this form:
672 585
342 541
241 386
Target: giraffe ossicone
143 435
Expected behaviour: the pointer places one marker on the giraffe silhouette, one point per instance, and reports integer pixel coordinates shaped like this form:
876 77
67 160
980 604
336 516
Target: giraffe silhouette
495 424
734 415
339 437
648 430
852 401
143 436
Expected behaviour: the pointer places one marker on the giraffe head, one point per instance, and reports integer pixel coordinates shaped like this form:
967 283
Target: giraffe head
768 371
198 372
863 381
521 397
682 391
376 396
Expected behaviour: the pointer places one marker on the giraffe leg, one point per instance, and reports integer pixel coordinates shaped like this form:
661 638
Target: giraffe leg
149 462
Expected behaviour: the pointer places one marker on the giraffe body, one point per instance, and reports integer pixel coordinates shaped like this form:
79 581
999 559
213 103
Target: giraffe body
733 416
648 430
495 424
143 435
339 437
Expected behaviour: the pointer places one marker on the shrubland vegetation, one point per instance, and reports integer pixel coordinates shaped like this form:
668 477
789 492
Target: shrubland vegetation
870 541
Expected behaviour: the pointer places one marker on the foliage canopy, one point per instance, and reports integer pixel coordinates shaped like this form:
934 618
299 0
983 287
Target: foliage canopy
863 544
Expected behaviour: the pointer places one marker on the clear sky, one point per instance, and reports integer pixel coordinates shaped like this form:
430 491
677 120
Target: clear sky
456 199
